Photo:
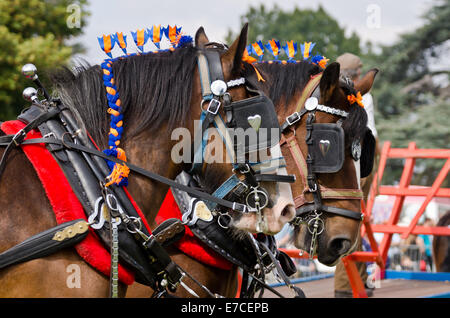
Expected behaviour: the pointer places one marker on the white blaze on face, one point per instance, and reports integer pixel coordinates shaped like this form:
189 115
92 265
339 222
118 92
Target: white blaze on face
358 173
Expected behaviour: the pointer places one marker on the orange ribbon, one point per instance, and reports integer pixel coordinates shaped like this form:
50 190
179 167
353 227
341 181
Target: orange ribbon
250 60
120 171
323 62
355 99
260 78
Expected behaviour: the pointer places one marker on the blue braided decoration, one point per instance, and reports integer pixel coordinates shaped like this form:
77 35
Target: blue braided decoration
115 119
112 95
316 59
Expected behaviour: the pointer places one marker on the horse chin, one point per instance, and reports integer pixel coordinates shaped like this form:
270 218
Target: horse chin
332 260
248 223
324 256
327 258
269 224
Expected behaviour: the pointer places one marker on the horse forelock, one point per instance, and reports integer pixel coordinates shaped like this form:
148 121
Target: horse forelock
355 125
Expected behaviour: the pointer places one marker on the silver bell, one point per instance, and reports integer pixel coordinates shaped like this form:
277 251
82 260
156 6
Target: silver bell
30 71
30 94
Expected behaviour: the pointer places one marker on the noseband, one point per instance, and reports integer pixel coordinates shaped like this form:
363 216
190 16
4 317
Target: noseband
324 156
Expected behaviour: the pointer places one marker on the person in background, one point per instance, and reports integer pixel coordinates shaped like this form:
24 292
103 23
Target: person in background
351 67
425 245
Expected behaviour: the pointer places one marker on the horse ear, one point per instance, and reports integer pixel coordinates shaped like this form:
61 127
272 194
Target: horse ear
234 54
200 38
365 84
329 81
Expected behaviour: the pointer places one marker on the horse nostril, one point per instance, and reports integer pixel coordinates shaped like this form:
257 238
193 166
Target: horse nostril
339 245
288 211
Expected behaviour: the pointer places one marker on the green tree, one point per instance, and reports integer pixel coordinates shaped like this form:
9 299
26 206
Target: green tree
409 105
408 60
428 127
300 25
34 31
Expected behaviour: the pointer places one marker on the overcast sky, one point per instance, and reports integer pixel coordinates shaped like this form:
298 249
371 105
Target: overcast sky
380 21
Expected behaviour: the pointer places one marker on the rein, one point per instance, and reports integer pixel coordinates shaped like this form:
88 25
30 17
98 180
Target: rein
68 143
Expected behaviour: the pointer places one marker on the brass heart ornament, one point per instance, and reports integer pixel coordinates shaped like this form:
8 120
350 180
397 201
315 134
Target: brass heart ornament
254 121
324 146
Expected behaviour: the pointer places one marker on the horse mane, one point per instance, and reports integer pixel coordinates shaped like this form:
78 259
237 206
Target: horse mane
154 89
285 80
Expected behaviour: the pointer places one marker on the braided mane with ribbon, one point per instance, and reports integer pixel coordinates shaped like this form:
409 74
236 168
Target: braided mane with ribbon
119 172
290 49
274 47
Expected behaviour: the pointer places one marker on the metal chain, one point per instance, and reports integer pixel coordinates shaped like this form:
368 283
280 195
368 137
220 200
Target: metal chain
260 225
315 232
114 275
258 214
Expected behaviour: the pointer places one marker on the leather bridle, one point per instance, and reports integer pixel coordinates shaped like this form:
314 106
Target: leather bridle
244 183
310 212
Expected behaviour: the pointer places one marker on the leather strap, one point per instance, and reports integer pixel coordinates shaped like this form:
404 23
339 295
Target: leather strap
194 192
298 292
274 178
46 243
304 165
210 69
327 193
297 155
203 71
169 231
215 65
308 90
305 209
17 139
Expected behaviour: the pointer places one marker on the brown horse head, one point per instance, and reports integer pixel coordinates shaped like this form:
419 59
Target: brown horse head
340 189
280 209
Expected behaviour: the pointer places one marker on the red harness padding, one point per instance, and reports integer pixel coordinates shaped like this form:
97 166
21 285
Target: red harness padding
67 207
189 244
64 202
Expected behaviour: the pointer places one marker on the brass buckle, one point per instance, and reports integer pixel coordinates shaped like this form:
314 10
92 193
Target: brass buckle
21 133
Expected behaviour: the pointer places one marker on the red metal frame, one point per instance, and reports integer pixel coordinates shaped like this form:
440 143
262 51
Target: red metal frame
379 253
358 288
